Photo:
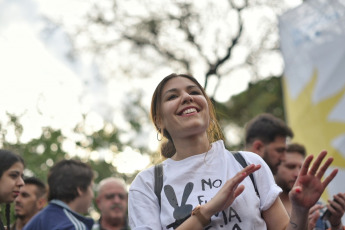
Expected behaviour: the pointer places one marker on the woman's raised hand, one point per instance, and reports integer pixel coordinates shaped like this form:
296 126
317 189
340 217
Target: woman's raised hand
228 193
309 186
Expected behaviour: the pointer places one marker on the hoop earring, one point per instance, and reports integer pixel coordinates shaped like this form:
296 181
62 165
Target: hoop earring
158 137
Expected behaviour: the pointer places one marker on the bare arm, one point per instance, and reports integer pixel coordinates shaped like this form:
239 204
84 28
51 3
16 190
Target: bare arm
277 218
276 214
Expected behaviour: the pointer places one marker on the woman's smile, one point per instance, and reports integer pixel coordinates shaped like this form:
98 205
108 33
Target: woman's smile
188 111
184 108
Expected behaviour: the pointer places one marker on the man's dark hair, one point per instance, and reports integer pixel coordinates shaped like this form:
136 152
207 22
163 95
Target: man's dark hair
41 187
295 147
65 177
266 128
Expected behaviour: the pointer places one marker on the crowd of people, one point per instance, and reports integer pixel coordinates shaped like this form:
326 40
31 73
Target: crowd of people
271 184
64 202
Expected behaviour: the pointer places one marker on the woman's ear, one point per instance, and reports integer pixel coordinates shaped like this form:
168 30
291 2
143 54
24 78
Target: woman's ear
158 125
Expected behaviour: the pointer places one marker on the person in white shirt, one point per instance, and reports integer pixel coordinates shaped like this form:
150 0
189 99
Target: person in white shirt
204 187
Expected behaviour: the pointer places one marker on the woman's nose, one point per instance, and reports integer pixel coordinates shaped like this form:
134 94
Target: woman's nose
187 98
20 182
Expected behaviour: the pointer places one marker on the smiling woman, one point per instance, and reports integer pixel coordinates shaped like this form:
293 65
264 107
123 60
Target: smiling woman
11 179
200 173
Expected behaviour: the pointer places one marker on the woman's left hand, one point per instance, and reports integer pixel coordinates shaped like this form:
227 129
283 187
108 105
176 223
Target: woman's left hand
308 187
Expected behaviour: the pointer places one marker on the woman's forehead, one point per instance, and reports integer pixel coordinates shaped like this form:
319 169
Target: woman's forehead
18 166
178 83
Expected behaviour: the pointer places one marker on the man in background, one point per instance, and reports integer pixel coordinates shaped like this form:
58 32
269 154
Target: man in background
288 171
266 135
112 201
70 196
31 199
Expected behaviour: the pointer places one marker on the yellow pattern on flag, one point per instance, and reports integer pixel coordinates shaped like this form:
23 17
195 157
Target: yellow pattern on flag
310 124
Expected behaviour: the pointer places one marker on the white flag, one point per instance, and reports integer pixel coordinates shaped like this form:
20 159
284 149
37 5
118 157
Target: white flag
313 47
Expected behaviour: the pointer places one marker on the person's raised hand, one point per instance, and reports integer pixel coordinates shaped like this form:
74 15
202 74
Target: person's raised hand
231 189
309 186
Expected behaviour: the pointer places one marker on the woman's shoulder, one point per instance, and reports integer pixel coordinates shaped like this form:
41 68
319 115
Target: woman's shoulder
220 148
251 158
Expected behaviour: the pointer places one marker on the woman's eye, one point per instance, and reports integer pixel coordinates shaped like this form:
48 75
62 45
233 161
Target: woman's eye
171 97
195 93
14 176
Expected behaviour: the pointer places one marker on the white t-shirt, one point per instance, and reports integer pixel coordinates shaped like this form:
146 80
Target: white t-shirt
195 180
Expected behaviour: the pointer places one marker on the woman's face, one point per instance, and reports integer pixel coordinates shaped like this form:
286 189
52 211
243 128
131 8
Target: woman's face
184 109
10 182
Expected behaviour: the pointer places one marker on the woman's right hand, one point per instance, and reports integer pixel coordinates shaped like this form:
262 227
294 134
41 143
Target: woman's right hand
228 193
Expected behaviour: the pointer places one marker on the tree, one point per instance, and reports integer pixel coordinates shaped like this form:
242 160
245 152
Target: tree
52 145
265 96
211 39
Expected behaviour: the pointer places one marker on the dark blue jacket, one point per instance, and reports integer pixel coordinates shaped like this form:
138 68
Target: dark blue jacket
58 216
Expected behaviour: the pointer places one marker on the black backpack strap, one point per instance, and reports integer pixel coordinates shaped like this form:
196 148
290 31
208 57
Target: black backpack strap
244 164
158 181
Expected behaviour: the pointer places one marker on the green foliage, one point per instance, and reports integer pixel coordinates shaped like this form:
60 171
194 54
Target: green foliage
264 96
41 153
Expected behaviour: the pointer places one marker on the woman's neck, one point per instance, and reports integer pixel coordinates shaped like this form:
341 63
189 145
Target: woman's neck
186 147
